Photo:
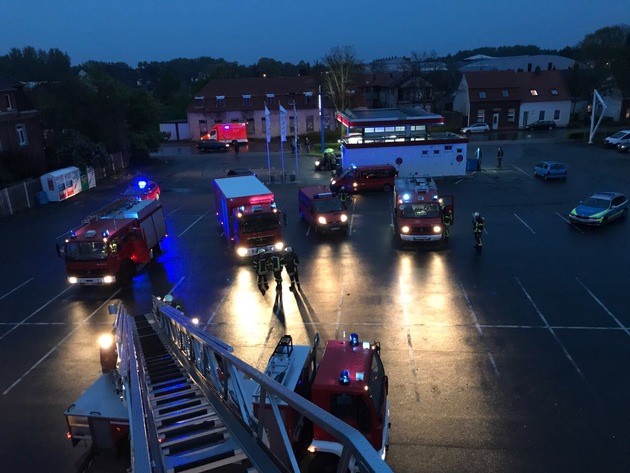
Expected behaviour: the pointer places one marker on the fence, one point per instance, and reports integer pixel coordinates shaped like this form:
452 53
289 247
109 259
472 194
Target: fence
23 196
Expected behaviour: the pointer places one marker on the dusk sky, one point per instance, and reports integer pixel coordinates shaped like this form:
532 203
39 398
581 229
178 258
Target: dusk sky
289 31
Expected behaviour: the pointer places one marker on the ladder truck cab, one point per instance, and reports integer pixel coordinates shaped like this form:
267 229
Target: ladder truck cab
113 243
349 382
419 212
248 215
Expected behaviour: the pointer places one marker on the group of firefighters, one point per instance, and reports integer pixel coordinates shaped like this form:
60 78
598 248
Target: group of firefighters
274 262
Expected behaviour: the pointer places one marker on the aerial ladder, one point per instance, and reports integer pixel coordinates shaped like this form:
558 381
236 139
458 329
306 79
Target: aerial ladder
190 408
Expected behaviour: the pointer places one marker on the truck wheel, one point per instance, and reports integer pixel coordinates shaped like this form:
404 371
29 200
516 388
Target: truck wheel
127 273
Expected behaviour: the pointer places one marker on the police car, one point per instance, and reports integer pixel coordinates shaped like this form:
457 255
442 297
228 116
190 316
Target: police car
600 208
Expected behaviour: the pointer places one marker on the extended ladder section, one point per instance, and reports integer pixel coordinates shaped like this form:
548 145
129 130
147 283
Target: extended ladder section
116 206
190 403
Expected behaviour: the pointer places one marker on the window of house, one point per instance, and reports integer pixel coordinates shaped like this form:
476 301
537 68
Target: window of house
247 100
308 98
199 102
21 133
271 99
511 115
220 101
554 91
424 151
556 114
533 92
481 116
505 93
8 102
541 115
482 94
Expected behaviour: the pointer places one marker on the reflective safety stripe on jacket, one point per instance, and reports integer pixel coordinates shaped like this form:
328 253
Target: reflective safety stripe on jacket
276 263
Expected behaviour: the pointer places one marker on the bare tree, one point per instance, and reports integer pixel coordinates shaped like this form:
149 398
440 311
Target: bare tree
342 67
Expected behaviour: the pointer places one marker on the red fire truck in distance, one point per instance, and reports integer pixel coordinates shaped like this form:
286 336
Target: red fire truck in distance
248 215
113 243
349 382
227 133
419 211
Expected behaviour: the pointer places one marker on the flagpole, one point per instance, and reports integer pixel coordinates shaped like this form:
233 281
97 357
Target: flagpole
268 133
295 121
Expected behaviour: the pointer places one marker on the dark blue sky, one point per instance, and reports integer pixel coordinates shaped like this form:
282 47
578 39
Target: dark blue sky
244 31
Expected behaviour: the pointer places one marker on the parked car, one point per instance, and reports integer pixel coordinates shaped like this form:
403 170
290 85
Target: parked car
624 147
143 189
550 170
541 125
600 208
213 146
476 128
613 140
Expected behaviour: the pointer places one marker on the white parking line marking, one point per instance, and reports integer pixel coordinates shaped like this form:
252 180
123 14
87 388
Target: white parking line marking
33 313
523 222
191 225
61 342
473 316
414 370
601 304
526 173
15 289
552 331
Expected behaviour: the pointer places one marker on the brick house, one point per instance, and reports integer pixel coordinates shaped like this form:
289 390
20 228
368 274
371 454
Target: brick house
244 100
20 127
511 99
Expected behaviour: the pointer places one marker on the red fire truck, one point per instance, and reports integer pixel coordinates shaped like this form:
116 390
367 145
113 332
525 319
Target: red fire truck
349 382
227 133
248 215
419 211
113 243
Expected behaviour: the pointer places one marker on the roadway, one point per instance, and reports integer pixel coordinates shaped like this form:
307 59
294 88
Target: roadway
510 360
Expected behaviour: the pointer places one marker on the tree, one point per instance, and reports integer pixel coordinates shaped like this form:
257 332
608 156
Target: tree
606 46
342 67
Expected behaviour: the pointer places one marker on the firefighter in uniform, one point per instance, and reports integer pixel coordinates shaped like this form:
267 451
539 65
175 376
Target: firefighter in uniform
168 298
478 225
261 266
447 221
291 262
277 263
343 196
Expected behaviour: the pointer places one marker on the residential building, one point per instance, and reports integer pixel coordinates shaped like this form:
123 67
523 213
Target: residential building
20 127
396 89
244 101
510 100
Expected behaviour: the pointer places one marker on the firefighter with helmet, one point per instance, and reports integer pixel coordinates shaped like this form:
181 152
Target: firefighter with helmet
261 267
343 196
170 300
291 262
276 261
479 224
447 221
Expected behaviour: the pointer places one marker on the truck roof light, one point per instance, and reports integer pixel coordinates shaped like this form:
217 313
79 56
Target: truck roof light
142 184
105 233
354 339
273 205
73 234
344 377
366 345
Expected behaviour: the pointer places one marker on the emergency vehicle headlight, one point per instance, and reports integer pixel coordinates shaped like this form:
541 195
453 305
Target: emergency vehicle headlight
354 339
105 341
355 185
73 280
239 215
241 252
344 218
109 279
279 246
321 220
406 197
441 201
405 229
333 182
344 377
437 229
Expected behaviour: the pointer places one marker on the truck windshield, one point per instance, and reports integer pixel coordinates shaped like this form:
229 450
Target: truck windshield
422 210
327 206
252 223
86 250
